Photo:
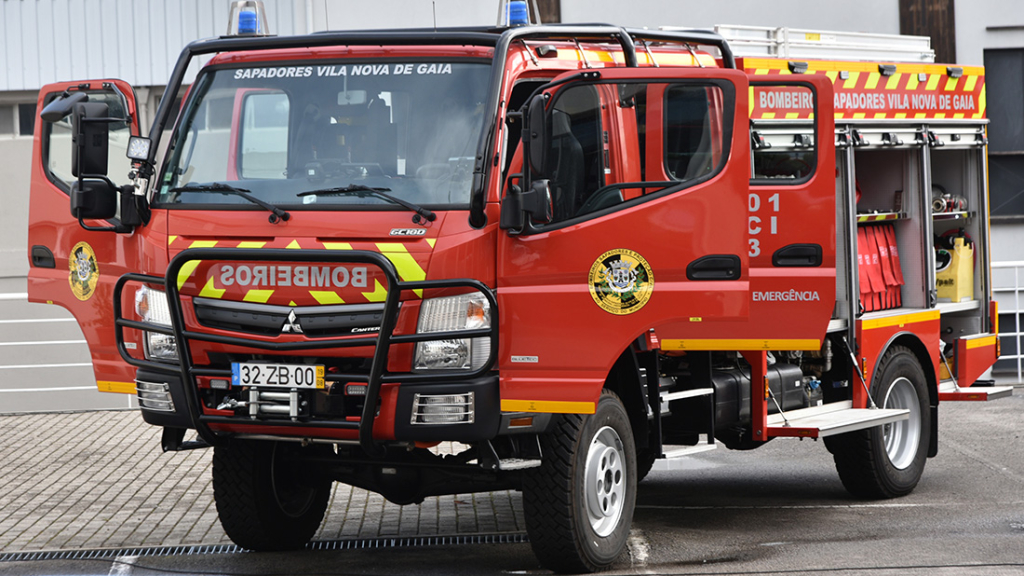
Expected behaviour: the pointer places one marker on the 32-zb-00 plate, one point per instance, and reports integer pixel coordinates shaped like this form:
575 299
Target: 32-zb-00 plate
277 375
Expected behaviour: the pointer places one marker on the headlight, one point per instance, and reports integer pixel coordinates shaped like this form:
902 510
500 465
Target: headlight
464 312
151 306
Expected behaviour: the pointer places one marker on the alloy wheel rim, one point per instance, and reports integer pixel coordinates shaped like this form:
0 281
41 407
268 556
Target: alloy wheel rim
901 438
604 480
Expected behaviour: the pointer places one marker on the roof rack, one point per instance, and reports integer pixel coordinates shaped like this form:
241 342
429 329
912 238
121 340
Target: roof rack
769 42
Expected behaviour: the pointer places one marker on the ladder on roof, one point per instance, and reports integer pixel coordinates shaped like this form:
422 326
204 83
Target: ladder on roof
769 42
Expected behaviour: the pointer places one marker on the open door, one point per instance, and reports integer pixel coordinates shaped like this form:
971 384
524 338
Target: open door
70 266
647 171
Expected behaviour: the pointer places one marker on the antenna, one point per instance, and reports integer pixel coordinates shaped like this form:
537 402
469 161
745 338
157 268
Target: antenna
433 8
327 15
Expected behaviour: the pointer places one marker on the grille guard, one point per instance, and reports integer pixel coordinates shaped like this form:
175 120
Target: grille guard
381 342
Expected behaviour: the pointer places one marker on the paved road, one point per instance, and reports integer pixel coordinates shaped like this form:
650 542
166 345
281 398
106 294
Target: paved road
98 480
44 361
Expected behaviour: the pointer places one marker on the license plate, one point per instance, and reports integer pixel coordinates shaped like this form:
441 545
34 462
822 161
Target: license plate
277 375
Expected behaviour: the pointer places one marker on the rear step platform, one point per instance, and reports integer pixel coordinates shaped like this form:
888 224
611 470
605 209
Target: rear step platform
949 392
830 419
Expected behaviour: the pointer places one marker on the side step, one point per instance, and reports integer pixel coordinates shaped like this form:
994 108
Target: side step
674 456
830 419
949 392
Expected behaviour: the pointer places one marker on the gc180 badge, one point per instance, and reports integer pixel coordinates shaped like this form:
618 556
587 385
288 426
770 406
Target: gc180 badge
84 271
621 281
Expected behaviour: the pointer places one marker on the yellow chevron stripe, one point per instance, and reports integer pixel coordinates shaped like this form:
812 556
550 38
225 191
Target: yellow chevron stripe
951 84
171 239
893 82
431 241
981 103
768 115
189 267
294 245
933 82
792 115
185 271
872 82
972 81
211 291
251 244
408 269
258 296
379 294
912 82
325 297
832 75
851 82
337 245
879 115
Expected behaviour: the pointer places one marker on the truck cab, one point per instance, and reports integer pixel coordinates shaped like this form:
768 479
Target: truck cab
576 251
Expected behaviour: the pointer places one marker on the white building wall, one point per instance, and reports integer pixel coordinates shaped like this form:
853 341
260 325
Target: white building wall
43 41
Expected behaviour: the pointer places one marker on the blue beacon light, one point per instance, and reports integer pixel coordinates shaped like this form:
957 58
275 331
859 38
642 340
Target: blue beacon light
518 13
248 23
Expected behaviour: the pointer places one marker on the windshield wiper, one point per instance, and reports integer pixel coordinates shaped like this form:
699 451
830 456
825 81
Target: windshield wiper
365 191
278 215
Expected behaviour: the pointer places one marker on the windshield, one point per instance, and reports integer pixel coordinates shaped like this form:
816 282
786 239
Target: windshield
280 130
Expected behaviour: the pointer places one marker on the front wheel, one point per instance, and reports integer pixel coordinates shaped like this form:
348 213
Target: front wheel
579 502
265 499
887 461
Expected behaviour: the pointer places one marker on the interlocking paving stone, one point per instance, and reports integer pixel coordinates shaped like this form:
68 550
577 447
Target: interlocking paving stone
99 479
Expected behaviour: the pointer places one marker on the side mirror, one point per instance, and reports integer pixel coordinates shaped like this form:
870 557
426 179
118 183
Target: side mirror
93 199
537 202
517 204
57 109
537 136
90 139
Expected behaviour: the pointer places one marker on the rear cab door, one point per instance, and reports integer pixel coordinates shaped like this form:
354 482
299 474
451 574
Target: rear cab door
69 266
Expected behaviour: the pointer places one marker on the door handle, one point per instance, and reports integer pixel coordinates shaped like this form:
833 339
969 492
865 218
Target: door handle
42 257
797 255
714 267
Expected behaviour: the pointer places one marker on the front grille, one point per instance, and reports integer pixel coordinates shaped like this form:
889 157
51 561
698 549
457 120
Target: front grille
269 320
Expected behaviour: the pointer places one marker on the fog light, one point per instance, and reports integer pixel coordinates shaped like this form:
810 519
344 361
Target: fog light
356 389
443 408
219 384
154 396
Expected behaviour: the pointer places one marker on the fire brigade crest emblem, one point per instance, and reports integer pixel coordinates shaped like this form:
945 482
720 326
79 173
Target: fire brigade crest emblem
621 281
84 271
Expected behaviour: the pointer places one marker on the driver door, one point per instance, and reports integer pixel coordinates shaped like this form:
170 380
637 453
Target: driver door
69 266
649 179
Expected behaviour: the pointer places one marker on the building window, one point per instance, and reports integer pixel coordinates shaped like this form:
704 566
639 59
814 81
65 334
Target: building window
1004 77
26 119
6 120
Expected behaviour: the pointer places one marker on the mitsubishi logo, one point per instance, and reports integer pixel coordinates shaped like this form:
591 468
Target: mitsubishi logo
292 324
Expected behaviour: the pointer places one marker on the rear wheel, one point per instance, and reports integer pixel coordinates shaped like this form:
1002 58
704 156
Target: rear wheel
887 461
266 501
579 502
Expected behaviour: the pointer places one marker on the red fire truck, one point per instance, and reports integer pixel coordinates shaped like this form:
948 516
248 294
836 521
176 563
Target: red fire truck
576 251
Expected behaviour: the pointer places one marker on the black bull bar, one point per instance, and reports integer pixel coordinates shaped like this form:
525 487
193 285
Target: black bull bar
381 342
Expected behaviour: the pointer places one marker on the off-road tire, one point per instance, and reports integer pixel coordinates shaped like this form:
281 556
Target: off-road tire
865 465
554 497
264 503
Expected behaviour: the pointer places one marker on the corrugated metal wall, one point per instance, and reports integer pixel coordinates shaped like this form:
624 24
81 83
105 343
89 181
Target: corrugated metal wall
43 41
